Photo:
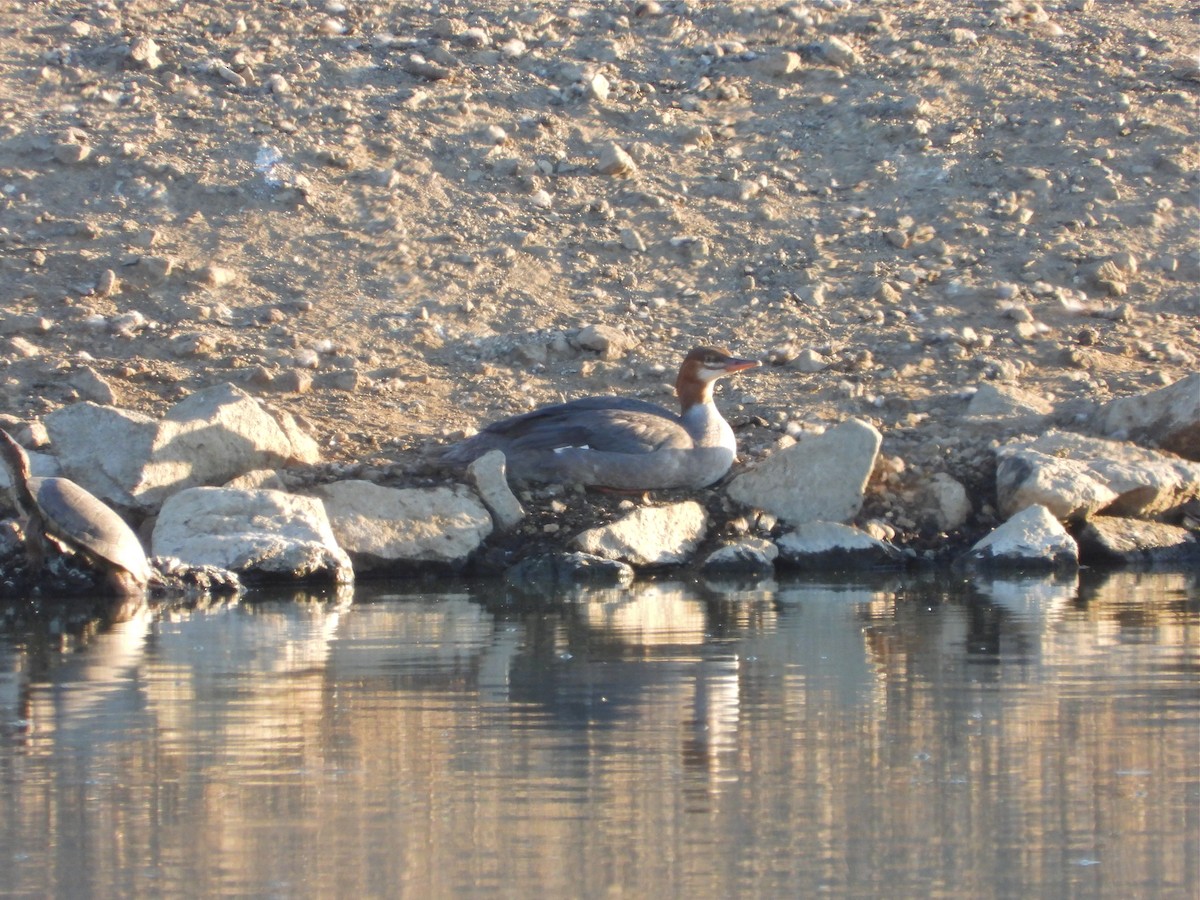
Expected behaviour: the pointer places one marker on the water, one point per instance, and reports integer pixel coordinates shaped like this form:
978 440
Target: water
900 738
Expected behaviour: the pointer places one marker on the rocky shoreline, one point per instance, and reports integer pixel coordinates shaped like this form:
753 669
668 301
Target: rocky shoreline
960 236
224 483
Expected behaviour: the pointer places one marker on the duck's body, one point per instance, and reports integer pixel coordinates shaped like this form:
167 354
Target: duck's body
621 443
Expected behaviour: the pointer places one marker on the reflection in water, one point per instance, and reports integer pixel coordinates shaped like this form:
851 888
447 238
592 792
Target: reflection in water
909 737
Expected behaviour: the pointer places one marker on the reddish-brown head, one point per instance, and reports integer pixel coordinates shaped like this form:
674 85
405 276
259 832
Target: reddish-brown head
701 368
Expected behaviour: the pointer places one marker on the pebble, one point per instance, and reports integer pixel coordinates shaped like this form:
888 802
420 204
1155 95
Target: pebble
612 160
71 153
144 52
631 240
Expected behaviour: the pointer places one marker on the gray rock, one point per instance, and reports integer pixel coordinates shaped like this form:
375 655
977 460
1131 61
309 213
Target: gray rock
382 527
1076 477
1032 539
945 502
260 535
490 481
552 571
829 545
1168 418
822 478
749 556
649 536
1131 541
207 439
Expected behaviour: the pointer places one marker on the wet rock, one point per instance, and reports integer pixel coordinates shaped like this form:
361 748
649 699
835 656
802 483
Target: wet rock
1168 418
821 478
1031 539
1109 539
261 535
1076 477
553 571
488 477
649 536
383 528
749 556
829 545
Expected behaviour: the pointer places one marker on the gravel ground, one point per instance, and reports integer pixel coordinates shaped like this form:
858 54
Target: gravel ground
399 221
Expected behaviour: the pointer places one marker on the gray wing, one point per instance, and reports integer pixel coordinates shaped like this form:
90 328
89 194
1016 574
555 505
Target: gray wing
606 424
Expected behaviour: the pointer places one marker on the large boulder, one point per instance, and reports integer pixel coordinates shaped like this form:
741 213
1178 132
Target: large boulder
1032 539
209 438
261 535
821 478
649 536
1076 476
1168 418
382 527
102 448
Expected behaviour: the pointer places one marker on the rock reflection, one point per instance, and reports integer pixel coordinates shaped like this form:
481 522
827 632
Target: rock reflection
1021 737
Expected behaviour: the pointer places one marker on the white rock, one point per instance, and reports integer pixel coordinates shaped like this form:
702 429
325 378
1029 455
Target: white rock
489 478
1168 418
821 478
946 502
750 556
206 439
1033 538
261 535
384 527
649 536
1075 477
832 545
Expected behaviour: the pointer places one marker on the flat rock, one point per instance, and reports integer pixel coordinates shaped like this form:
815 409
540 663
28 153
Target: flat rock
1076 477
749 556
1131 541
1003 401
821 478
206 439
1032 539
831 545
260 535
382 527
649 536
1168 418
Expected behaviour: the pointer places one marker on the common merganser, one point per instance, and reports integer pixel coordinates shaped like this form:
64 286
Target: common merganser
621 443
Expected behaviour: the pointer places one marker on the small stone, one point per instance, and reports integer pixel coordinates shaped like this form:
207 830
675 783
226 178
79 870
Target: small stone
214 276
108 283
612 160
631 240
293 381
598 87
144 52
70 153
277 84
229 75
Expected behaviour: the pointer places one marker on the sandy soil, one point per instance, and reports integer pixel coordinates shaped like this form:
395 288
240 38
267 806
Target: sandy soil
393 219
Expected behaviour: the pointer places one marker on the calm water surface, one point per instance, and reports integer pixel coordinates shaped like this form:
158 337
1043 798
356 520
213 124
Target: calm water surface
901 738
